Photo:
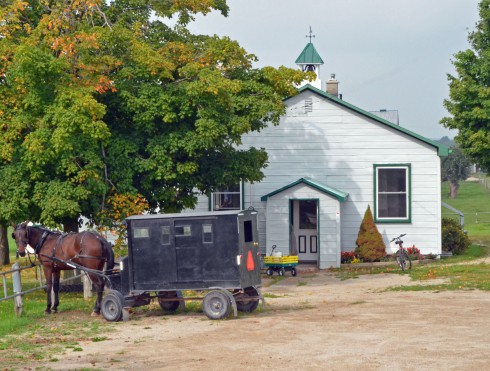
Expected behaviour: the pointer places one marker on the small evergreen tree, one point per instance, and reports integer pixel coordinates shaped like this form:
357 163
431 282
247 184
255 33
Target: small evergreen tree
370 245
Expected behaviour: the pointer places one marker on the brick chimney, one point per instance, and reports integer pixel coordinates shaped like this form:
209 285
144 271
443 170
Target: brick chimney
333 86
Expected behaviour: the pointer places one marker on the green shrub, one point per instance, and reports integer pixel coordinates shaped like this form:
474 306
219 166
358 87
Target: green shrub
453 237
370 245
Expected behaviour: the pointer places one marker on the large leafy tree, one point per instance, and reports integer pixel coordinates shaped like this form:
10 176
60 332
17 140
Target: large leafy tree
102 100
469 93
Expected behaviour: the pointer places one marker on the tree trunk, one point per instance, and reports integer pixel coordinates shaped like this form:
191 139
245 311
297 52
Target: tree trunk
454 186
4 246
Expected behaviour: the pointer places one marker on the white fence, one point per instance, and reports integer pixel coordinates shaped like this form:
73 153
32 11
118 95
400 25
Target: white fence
484 180
16 282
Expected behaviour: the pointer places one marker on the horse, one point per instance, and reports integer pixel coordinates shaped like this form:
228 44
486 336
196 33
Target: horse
58 251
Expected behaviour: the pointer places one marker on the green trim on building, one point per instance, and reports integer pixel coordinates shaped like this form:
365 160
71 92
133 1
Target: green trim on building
442 150
309 55
291 217
339 195
409 194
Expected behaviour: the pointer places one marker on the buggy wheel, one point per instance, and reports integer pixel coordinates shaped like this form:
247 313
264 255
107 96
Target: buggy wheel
293 272
246 305
169 306
216 305
112 306
282 271
269 271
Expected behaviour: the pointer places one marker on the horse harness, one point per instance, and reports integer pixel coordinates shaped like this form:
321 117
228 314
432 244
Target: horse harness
59 245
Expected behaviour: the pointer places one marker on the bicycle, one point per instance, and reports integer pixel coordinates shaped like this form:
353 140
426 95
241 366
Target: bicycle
401 256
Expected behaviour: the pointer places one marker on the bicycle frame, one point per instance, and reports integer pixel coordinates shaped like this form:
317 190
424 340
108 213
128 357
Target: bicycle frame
402 257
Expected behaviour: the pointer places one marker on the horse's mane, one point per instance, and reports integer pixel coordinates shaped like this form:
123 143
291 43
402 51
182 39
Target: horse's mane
44 229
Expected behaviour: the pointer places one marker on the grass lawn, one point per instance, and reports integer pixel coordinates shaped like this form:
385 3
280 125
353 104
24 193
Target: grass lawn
474 201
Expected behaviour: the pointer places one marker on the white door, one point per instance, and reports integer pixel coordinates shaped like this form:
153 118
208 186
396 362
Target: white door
304 228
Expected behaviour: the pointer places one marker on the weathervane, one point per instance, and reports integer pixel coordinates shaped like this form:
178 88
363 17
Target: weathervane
310 34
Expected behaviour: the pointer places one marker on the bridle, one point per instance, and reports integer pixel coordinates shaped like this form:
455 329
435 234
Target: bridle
24 241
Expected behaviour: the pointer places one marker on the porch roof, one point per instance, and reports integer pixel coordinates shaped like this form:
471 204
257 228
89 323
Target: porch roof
339 195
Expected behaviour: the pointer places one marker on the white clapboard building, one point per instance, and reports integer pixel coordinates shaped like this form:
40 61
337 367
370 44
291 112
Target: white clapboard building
329 160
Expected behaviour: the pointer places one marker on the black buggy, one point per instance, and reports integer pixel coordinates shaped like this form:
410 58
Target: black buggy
214 252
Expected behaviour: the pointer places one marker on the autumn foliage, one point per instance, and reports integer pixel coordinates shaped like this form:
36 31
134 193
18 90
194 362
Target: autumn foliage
370 245
119 207
106 100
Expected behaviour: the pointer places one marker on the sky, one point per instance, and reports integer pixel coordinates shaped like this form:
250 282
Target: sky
386 54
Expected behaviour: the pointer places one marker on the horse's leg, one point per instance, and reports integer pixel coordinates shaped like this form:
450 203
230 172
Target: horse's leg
56 289
99 286
49 286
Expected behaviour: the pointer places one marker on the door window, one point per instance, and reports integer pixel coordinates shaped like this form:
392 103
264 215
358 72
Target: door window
307 214
166 235
207 233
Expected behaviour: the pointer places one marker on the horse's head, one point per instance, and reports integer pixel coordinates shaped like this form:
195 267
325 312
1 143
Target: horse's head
21 237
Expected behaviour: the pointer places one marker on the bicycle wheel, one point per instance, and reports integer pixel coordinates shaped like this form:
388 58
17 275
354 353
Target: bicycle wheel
403 260
408 261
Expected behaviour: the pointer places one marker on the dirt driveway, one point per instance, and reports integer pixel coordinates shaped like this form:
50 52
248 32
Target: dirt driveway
311 322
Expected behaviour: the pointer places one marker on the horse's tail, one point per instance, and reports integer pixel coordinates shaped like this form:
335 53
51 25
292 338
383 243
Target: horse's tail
109 253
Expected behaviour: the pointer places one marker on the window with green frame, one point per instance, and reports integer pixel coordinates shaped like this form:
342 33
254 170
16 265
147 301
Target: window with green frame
392 193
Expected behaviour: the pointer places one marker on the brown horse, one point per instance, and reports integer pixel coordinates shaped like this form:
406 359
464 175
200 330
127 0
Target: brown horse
57 251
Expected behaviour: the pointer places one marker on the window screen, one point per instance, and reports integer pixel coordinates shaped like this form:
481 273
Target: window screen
227 198
392 193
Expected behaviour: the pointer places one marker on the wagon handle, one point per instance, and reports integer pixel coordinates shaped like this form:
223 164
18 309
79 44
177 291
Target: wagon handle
273 248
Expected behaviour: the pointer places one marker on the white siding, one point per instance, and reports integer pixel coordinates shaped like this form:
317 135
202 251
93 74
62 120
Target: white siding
338 147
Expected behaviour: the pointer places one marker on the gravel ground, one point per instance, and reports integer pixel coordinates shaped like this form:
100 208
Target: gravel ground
312 321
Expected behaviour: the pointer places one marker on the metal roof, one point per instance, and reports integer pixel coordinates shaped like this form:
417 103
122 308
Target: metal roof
339 195
309 55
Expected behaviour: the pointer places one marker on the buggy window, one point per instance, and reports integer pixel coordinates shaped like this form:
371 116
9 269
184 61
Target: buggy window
166 235
207 233
141 232
247 231
183 230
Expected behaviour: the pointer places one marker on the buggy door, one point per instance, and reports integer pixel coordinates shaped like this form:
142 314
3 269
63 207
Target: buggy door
188 247
249 248
153 254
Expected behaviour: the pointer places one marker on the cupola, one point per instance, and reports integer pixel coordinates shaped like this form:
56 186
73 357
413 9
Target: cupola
309 59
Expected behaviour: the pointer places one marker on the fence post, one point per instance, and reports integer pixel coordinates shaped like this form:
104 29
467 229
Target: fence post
87 286
17 289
